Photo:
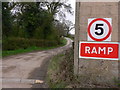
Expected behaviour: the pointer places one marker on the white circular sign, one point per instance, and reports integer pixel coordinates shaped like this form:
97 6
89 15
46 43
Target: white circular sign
99 29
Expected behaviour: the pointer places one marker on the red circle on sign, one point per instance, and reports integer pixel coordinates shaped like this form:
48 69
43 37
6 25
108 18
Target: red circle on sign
100 19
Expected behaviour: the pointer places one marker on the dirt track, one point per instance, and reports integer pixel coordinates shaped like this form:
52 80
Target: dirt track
19 71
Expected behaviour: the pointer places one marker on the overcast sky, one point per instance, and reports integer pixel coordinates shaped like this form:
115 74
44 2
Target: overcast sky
71 17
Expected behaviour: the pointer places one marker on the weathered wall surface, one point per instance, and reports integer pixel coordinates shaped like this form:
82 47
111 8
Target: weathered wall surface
103 72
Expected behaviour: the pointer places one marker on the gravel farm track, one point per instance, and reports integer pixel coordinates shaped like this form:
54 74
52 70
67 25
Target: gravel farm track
27 69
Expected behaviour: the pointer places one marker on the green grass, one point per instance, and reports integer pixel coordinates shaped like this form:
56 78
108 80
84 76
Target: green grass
55 62
53 68
71 37
117 81
30 49
60 70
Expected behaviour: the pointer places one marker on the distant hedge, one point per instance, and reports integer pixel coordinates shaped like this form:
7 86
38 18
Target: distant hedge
13 43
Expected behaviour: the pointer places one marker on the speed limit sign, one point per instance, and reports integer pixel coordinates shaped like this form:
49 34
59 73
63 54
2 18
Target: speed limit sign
99 29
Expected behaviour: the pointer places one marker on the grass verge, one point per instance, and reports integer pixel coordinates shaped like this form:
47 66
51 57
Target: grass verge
60 70
60 74
30 49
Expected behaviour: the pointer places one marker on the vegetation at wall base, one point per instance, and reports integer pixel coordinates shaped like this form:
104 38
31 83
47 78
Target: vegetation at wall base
60 70
60 74
117 82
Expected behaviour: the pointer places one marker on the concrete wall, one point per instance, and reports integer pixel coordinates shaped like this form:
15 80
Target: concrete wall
103 72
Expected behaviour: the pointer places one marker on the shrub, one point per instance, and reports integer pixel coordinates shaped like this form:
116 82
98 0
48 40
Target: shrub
13 43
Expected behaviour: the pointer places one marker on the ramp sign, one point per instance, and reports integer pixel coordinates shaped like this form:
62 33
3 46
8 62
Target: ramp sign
99 29
99 50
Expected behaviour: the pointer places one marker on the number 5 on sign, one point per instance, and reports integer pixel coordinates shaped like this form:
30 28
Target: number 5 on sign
99 29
